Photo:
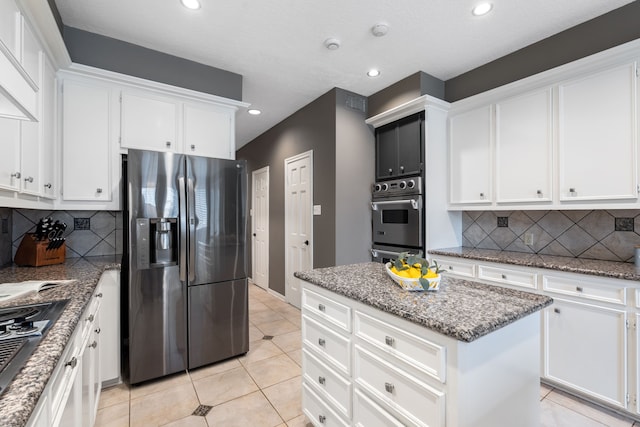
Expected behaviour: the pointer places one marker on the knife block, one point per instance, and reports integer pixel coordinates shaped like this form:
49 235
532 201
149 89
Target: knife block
34 253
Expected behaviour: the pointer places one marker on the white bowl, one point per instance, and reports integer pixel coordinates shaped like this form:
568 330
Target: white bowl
412 284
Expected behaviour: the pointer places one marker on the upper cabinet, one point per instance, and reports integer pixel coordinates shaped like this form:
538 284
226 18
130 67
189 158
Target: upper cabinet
597 136
10 174
163 123
48 158
399 148
524 148
149 122
470 156
569 144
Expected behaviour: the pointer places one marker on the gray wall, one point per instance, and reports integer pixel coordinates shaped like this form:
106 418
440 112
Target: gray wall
310 128
405 90
355 155
601 33
126 58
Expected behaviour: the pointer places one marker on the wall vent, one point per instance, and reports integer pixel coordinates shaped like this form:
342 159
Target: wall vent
356 103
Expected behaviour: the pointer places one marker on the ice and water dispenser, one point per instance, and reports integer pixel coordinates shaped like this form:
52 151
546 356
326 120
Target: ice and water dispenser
157 242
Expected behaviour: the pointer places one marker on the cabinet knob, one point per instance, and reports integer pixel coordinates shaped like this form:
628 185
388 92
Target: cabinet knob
16 175
482 195
321 380
99 295
93 344
390 171
97 331
579 288
572 191
401 168
29 179
389 341
47 185
168 143
90 318
322 419
72 363
450 267
556 310
193 147
99 190
321 342
504 276
539 193
321 307
388 387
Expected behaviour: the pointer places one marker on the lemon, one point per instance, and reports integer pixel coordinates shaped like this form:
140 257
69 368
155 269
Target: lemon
403 273
414 272
430 274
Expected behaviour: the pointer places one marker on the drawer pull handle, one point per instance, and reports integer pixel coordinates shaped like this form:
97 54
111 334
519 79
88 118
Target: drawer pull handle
321 380
321 342
389 387
389 341
73 362
90 318
579 288
97 331
321 307
556 310
450 267
93 344
322 418
99 295
504 276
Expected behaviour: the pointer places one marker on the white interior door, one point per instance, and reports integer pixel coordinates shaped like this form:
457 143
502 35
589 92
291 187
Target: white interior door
260 227
298 221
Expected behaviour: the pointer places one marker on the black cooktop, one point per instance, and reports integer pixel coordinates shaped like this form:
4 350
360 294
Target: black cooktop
21 329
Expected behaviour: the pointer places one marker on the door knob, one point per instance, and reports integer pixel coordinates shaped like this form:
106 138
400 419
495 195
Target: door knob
306 242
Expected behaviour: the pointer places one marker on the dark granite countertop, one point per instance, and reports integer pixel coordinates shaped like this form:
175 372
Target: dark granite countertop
616 270
462 309
19 400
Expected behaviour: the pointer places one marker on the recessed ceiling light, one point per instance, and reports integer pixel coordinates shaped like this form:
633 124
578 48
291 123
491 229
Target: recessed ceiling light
373 73
191 4
482 9
254 112
332 43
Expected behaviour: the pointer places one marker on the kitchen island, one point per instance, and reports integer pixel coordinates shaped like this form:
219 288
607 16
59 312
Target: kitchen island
18 402
465 355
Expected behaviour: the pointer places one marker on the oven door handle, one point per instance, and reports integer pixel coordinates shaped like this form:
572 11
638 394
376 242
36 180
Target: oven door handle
375 252
415 204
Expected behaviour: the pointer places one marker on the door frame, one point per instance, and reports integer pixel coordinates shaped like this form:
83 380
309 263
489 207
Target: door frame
253 229
288 160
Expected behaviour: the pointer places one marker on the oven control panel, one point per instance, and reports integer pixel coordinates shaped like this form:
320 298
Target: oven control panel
397 187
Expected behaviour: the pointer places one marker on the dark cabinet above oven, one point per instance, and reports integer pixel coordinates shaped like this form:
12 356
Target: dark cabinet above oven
399 148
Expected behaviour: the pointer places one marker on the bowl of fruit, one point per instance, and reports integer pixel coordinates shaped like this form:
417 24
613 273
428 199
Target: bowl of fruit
413 273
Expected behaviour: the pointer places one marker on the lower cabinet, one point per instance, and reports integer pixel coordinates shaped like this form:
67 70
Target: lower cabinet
72 394
364 367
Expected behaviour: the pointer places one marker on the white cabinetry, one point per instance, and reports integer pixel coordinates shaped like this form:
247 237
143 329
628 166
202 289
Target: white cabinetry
71 396
524 168
597 133
470 156
10 174
31 137
209 131
110 326
87 136
48 156
149 122
364 367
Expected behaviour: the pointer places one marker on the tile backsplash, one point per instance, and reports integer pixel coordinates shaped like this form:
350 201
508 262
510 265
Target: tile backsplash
89 233
592 234
5 236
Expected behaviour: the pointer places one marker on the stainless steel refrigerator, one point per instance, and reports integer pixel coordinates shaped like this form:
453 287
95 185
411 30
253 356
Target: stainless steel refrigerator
185 301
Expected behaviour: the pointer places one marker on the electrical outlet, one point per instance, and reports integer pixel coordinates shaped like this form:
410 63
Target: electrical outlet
528 238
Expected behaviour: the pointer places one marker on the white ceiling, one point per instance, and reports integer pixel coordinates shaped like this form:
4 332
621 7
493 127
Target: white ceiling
277 45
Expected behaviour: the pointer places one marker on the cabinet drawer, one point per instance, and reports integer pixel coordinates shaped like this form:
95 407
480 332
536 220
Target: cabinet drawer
366 413
508 277
428 357
328 344
457 268
421 404
585 289
318 412
330 311
327 382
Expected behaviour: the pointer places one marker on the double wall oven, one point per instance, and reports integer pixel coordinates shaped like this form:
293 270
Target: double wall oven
397 216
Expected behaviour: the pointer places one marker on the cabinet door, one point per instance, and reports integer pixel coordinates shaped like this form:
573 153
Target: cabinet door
208 131
149 122
524 148
586 349
10 174
10 27
597 141
410 145
86 150
386 152
30 53
470 156
91 384
110 327
47 144
30 138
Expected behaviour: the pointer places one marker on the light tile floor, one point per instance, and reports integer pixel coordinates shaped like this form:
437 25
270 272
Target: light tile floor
262 388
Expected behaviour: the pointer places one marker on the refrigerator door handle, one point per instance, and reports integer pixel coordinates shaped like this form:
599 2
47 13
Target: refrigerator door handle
192 230
183 229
